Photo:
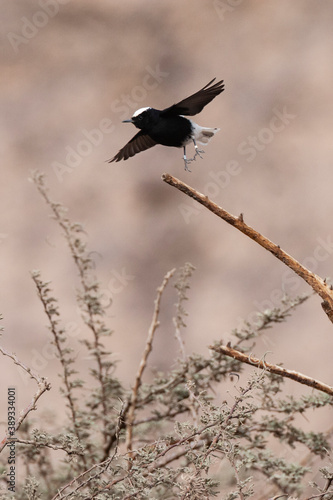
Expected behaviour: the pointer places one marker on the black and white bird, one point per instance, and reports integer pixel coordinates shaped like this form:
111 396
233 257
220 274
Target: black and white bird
169 126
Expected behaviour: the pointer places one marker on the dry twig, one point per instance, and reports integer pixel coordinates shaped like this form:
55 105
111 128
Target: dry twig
318 284
278 370
138 380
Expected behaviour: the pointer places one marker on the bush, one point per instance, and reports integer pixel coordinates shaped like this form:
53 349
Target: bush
173 437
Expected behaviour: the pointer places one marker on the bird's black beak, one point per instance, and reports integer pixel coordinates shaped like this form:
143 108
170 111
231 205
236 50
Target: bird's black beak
128 121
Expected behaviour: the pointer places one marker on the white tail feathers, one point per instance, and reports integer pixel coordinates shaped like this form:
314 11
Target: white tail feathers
203 134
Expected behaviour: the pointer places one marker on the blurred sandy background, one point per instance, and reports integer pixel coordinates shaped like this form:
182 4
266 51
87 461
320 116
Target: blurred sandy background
70 72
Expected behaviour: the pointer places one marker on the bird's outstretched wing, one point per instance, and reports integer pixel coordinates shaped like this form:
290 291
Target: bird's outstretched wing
196 102
140 142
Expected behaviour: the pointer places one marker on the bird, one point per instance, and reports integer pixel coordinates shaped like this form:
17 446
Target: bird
169 126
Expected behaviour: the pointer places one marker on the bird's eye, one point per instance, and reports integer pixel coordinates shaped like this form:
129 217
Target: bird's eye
140 118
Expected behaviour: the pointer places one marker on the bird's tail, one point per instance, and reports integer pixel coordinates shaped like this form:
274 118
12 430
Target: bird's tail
204 134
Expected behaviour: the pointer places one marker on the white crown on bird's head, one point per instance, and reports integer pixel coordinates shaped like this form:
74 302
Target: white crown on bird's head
139 111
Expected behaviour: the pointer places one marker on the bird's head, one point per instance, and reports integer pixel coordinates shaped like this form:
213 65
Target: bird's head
144 118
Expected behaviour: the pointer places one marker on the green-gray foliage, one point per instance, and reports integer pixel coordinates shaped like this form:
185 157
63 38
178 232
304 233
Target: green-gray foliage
192 437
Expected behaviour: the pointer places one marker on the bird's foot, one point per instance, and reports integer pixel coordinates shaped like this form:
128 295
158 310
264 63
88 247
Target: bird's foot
187 162
198 152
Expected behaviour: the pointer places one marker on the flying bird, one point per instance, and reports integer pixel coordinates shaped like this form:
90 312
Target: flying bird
169 126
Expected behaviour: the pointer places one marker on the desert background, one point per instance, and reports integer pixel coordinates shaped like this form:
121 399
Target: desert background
70 73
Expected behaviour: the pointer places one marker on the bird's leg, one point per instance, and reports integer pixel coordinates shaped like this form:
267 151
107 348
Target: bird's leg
186 161
198 151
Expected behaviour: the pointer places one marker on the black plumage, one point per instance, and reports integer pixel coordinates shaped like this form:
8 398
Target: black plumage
169 126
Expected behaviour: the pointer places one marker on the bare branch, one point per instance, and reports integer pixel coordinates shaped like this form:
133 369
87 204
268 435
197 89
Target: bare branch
153 327
318 284
278 370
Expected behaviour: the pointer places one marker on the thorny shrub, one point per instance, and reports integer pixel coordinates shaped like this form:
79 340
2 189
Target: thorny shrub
200 430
